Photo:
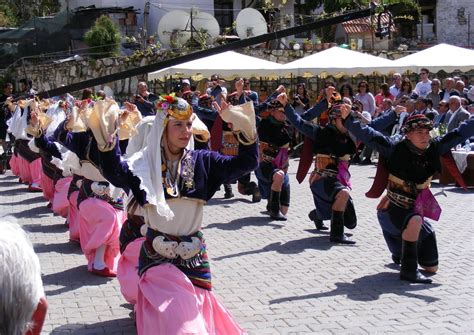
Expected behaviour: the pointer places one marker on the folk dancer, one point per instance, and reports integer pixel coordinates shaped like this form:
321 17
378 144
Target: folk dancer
330 181
172 184
411 163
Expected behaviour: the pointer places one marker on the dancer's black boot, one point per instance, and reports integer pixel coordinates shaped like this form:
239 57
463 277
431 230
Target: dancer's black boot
337 229
228 191
409 264
317 222
274 207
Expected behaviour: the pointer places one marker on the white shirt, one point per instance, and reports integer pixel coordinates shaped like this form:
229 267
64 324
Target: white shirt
423 88
394 90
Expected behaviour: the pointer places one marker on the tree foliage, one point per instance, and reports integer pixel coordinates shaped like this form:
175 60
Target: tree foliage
103 38
400 8
14 13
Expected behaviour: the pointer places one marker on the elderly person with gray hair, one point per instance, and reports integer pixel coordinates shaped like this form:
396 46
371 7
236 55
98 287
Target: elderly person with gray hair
457 113
22 302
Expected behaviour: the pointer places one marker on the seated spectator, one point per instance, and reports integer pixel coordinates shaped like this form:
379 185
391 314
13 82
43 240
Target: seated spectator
383 94
435 95
22 302
144 100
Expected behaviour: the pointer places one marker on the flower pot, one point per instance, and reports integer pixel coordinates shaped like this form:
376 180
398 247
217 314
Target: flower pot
318 47
325 46
308 46
332 45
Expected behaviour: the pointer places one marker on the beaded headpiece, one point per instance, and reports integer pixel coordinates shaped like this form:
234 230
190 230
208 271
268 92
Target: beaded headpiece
418 121
174 107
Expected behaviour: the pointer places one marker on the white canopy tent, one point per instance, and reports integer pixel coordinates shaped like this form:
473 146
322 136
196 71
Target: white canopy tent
443 56
337 62
228 65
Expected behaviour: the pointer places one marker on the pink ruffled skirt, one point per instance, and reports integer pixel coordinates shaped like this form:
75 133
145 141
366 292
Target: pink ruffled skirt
36 171
60 201
127 270
24 170
100 224
73 217
168 303
47 185
14 165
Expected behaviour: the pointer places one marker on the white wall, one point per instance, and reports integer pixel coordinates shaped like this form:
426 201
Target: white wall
157 8
451 29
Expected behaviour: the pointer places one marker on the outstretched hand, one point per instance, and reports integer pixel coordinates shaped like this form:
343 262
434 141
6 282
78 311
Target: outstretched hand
283 99
281 89
345 110
400 109
34 120
329 92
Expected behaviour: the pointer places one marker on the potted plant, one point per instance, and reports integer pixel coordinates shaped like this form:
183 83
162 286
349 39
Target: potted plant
291 43
317 46
307 45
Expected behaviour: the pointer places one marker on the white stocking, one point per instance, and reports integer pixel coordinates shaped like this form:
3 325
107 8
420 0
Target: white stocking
99 257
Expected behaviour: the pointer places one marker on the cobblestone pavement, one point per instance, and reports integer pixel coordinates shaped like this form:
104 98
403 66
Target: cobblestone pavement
276 278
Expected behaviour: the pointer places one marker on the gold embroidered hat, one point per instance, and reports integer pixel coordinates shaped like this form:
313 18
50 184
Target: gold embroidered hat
174 107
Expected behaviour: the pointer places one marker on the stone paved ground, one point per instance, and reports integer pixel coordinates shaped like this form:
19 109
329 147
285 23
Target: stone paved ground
276 278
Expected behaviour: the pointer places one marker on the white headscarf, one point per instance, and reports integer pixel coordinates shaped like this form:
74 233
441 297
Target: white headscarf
146 163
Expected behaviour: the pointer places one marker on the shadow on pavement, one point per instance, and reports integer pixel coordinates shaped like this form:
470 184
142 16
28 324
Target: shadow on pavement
27 201
10 177
124 326
228 202
33 212
257 221
291 247
15 191
63 248
71 279
50 228
8 183
370 288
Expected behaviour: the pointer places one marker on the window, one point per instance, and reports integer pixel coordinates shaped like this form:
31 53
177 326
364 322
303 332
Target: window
223 12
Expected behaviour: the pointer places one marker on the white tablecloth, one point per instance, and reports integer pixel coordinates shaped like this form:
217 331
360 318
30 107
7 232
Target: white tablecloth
460 157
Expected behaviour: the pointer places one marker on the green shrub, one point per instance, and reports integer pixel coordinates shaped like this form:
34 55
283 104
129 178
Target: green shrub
103 38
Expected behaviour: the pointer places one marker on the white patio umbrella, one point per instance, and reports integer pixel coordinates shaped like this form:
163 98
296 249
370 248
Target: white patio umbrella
228 65
443 56
337 62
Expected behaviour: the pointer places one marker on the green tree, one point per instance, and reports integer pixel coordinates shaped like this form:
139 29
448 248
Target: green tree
17 12
103 38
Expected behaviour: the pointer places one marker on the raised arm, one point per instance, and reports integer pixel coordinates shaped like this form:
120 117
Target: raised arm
369 136
384 121
47 144
316 110
205 113
75 142
117 172
305 127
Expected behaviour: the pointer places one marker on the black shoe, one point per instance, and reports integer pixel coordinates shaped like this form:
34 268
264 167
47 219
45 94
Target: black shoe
415 277
409 264
256 195
319 224
396 259
337 229
355 160
274 207
228 191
